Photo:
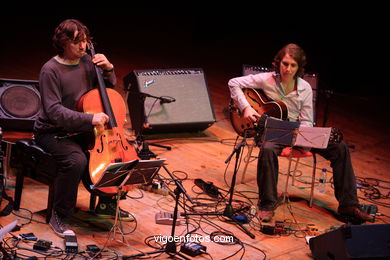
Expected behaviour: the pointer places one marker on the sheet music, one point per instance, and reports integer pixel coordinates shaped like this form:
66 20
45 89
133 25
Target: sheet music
140 171
313 137
292 134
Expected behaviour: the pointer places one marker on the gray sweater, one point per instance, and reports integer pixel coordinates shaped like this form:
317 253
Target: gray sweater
61 87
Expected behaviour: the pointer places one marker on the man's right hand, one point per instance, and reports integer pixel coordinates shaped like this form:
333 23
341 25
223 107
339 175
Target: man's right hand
100 119
250 115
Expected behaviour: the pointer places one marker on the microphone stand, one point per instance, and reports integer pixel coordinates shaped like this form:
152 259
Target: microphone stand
145 152
170 247
229 211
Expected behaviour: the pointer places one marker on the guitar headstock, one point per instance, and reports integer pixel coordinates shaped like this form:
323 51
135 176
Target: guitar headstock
336 136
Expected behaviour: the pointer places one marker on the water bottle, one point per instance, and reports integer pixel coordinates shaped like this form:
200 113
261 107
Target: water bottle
322 181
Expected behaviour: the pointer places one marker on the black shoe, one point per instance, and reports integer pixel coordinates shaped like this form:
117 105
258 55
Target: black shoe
354 215
108 210
265 215
58 226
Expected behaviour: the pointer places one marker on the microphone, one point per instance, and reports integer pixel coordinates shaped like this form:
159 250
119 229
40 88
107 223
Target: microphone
148 82
166 100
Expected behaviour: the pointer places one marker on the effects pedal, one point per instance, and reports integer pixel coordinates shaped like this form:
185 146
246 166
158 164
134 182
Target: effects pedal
192 249
42 245
28 236
267 229
166 218
370 210
312 230
279 227
93 251
71 244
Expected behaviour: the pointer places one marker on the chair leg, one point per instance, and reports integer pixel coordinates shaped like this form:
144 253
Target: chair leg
288 176
50 201
248 157
18 188
313 180
295 169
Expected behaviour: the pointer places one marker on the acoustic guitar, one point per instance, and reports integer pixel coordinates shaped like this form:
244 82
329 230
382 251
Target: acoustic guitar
265 107
262 105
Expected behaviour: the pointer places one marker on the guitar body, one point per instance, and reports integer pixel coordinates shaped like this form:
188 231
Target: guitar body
262 105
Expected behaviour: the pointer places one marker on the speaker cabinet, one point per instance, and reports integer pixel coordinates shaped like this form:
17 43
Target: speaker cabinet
311 78
190 108
20 103
353 242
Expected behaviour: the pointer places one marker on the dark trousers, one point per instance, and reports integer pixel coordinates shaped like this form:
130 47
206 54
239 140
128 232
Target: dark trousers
71 164
337 154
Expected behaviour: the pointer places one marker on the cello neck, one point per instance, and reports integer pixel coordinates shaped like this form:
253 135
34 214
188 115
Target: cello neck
103 92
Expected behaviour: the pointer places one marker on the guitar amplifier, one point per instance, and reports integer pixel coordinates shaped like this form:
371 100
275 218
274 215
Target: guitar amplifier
189 107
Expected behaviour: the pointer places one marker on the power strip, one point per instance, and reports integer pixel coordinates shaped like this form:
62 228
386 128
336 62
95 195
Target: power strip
155 188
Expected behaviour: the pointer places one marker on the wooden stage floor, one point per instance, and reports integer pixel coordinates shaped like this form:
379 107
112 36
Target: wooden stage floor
203 155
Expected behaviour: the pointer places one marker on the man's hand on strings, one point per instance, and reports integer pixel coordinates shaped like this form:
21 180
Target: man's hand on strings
100 119
102 62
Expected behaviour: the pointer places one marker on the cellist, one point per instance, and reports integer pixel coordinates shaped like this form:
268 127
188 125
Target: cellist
63 80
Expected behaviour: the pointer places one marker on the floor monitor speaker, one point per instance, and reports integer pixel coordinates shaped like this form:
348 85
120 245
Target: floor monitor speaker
353 242
20 103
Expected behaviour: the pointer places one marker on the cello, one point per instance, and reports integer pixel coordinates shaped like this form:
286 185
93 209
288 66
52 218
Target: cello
110 145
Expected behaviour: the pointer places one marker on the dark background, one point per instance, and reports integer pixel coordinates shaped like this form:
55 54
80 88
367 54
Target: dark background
341 52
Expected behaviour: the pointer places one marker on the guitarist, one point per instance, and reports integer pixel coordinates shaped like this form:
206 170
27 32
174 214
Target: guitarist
286 84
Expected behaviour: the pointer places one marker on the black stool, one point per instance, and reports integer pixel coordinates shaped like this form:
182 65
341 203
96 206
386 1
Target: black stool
33 162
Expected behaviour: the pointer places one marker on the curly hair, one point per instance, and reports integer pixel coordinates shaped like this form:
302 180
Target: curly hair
65 33
296 52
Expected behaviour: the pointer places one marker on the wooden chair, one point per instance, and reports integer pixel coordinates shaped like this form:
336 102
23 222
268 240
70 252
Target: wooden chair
292 155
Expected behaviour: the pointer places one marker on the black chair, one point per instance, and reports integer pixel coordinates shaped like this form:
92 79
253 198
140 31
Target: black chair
33 162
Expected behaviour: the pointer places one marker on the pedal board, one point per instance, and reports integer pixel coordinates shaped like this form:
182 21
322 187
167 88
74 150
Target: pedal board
166 218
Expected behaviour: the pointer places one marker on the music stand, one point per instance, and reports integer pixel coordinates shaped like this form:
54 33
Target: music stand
128 173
